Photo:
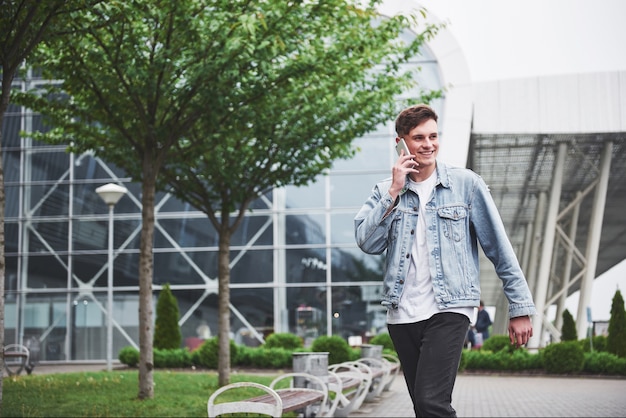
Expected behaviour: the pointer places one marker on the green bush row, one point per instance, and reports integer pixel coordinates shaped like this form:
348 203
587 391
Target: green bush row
496 354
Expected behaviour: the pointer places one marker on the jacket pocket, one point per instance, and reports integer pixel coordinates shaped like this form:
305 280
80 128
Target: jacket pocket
454 219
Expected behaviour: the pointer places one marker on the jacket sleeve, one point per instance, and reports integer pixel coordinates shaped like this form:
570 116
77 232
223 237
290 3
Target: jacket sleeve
372 222
488 224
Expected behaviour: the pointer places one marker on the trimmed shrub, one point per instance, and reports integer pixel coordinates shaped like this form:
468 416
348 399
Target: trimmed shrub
129 356
338 349
604 363
207 354
568 330
497 343
599 344
616 341
172 358
283 340
564 357
166 330
383 339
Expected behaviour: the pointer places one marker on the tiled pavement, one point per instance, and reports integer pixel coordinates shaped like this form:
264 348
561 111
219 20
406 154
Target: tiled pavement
515 396
488 396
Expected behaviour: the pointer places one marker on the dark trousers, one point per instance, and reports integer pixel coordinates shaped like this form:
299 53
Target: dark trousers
430 352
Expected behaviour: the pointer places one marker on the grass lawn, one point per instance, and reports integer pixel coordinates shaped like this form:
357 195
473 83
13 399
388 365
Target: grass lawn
113 394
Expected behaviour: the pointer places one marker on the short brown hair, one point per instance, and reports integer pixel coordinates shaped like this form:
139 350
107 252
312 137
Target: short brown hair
412 116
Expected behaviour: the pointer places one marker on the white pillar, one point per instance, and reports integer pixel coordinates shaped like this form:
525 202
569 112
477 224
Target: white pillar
567 266
543 274
593 240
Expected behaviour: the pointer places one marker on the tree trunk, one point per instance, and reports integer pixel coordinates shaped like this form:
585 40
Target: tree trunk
223 321
146 362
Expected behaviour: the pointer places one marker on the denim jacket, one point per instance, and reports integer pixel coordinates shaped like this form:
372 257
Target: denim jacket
460 214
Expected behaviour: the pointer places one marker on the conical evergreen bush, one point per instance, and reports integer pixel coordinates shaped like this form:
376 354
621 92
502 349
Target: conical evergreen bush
166 330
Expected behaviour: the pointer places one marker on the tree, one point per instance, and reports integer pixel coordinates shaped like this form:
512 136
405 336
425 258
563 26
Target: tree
166 329
133 84
23 25
616 341
568 330
295 84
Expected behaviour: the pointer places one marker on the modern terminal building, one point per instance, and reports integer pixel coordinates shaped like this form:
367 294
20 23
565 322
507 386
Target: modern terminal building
552 150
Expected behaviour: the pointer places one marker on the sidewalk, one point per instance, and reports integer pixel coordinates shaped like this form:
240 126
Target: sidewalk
484 395
514 396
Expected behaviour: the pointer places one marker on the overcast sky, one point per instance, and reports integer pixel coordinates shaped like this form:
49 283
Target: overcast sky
511 38
504 39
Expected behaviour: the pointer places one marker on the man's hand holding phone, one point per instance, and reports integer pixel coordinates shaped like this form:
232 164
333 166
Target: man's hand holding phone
404 165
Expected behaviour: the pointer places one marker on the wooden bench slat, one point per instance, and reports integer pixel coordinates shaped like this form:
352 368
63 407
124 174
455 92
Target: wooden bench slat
293 399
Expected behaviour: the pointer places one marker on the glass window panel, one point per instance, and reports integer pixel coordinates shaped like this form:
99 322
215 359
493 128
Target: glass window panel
305 229
306 312
90 235
250 227
353 190
311 196
252 266
356 313
92 268
44 236
49 165
257 307
89 329
11 232
11 127
201 323
45 326
342 227
47 200
353 265
11 161
306 265
126 271
44 271
12 201
186 233
10 278
174 268
376 151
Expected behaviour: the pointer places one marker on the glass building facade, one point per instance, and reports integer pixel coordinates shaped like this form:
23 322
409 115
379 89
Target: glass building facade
295 265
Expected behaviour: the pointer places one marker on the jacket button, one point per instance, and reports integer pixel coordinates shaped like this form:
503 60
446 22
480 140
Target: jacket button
401 281
415 208
412 232
408 255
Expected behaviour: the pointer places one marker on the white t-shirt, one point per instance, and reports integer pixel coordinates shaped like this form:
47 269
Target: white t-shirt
417 302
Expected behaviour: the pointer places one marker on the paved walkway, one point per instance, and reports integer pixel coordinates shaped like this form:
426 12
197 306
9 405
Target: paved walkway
487 396
514 396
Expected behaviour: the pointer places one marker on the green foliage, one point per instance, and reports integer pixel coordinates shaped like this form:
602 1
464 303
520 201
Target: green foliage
604 363
616 341
568 330
129 356
385 340
166 329
497 343
338 349
599 343
110 394
564 357
262 357
283 340
207 354
172 358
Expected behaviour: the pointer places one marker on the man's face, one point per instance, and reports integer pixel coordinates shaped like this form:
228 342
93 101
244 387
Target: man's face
423 142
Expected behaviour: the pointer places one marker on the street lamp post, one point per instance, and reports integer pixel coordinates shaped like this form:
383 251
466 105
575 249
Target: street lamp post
111 193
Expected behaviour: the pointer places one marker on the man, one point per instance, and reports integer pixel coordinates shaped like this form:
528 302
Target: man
429 218
483 321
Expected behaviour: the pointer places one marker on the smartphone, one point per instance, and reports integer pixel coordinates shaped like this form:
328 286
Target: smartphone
401 145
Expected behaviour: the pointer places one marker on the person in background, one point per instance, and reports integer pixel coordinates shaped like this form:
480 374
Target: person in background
483 321
429 218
